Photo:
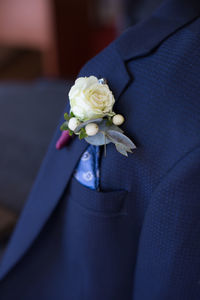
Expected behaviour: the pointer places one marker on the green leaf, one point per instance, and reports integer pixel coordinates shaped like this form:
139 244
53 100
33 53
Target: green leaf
121 149
119 138
82 134
64 126
109 122
72 114
67 117
106 127
70 132
101 138
98 139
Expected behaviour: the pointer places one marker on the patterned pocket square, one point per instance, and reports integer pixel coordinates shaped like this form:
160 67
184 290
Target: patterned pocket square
87 171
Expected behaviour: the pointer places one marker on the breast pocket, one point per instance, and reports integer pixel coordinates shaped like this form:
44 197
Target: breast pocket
102 203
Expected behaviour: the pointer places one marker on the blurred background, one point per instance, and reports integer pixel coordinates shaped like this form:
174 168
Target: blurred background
43 44
54 38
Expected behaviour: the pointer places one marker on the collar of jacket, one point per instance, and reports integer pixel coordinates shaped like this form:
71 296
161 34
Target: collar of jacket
141 39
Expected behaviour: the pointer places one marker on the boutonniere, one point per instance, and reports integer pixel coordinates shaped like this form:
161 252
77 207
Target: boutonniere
91 115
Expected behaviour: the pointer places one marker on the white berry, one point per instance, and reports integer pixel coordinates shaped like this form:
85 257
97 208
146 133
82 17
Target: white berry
118 119
73 123
91 129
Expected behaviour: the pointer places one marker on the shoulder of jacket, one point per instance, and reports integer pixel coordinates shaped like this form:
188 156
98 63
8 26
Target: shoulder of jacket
194 27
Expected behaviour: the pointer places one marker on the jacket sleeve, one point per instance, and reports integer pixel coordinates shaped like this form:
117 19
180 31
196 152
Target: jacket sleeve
168 261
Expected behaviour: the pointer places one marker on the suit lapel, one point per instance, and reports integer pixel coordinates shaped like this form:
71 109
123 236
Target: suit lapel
141 39
58 167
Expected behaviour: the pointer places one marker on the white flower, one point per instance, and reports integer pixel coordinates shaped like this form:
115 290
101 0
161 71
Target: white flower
90 99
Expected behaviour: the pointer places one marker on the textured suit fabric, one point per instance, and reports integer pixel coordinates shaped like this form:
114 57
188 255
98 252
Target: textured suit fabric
138 238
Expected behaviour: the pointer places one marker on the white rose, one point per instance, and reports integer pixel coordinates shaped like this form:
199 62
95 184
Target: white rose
89 99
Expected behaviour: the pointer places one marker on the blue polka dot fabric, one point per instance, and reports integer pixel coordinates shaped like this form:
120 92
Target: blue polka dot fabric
87 171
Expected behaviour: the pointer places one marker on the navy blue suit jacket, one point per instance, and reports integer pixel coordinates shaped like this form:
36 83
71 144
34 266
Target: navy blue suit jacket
139 237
